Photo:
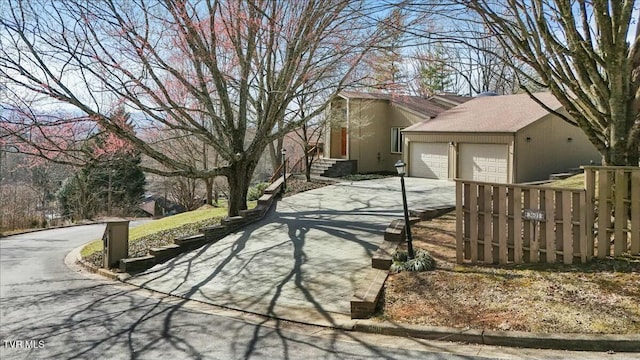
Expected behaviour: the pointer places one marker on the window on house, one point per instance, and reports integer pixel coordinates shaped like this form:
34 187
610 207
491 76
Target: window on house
396 140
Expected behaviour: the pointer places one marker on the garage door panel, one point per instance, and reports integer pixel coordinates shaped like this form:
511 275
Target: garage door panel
429 160
484 162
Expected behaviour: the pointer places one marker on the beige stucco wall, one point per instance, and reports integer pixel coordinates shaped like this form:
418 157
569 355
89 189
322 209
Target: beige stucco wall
402 118
333 129
549 150
368 133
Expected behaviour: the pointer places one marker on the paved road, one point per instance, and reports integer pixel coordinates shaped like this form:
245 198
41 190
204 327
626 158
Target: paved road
70 314
305 259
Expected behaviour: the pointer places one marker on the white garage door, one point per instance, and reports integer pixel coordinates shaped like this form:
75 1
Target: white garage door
483 162
429 160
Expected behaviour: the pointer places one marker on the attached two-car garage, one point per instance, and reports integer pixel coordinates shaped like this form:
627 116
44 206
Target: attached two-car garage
471 161
497 139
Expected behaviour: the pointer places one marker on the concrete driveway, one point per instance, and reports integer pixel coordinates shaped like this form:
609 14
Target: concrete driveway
303 261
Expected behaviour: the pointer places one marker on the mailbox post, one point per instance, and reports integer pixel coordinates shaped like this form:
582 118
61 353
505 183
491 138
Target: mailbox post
116 243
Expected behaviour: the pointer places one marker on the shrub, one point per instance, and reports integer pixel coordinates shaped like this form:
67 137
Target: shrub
255 192
422 262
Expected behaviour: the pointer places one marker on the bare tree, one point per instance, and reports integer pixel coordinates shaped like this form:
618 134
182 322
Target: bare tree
482 66
236 64
184 192
587 54
463 54
308 134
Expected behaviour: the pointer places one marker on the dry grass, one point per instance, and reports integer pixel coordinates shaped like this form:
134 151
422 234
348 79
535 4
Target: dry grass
147 230
600 297
572 182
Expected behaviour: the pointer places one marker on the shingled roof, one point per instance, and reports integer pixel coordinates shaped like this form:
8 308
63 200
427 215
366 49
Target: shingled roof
505 113
429 107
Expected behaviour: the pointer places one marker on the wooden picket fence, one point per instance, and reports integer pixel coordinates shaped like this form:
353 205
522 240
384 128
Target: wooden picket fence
614 222
503 223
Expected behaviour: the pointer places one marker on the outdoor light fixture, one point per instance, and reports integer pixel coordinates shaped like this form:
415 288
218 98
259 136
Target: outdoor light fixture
401 168
284 170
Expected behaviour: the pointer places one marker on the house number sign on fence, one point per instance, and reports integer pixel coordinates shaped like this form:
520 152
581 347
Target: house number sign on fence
531 214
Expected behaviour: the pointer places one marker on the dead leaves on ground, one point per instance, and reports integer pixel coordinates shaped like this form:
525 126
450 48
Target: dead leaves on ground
600 297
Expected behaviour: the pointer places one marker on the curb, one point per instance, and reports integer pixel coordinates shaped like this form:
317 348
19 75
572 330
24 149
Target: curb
575 342
100 271
28 231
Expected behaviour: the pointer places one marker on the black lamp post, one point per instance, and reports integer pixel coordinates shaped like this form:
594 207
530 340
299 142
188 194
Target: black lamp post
401 168
284 170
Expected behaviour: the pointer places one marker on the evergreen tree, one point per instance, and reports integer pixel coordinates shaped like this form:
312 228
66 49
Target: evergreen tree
111 184
432 72
385 61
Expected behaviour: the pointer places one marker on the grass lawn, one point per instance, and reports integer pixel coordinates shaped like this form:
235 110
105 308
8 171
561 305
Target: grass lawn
572 182
162 232
602 296
167 223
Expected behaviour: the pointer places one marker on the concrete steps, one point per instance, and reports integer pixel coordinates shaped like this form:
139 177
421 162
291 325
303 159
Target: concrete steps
333 167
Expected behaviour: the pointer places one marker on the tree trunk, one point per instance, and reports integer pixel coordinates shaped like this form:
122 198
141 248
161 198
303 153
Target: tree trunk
209 189
109 194
239 177
308 161
307 171
275 153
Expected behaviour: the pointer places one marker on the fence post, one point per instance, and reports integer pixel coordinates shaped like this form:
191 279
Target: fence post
534 246
604 213
517 225
586 229
589 209
549 231
567 227
487 237
503 250
459 223
473 222
635 212
620 221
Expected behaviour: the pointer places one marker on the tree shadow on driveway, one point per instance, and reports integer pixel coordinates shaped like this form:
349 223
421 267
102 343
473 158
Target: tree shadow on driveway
301 263
98 319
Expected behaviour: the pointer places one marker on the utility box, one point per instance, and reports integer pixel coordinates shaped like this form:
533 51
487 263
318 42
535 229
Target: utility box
116 243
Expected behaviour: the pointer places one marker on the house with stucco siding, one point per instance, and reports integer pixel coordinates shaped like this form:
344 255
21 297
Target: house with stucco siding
364 131
503 139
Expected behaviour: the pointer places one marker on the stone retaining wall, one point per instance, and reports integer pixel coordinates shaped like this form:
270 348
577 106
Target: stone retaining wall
209 234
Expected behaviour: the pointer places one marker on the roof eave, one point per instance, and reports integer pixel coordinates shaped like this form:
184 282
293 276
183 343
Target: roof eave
430 115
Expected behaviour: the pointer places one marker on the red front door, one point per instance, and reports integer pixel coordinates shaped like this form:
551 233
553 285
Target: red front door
344 142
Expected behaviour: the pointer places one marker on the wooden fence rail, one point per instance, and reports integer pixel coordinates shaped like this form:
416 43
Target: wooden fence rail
613 193
502 223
